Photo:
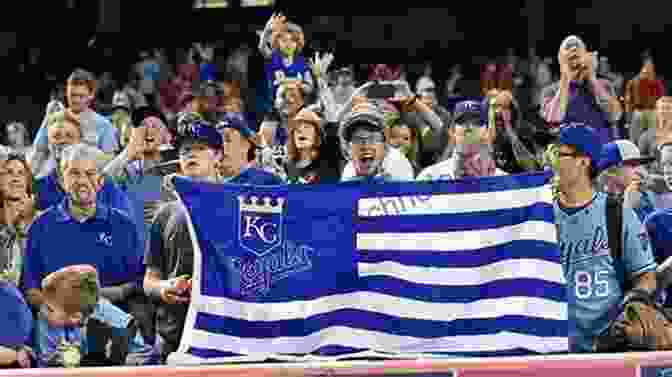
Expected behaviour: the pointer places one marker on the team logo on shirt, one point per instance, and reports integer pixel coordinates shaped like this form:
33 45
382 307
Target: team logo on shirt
260 224
105 238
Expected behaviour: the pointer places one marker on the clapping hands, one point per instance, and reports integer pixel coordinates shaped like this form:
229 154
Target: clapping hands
320 64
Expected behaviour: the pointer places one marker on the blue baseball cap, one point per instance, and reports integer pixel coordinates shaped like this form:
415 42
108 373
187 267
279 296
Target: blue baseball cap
236 122
622 152
583 139
467 108
199 131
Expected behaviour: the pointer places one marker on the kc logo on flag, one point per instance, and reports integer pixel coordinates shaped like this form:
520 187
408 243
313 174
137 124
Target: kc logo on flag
260 224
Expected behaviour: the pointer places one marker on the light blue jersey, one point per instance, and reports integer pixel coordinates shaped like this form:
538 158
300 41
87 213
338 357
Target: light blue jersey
593 280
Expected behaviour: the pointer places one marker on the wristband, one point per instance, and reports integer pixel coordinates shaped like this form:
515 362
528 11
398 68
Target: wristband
154 292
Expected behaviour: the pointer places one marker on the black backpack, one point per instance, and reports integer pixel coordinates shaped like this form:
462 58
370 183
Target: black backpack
615 234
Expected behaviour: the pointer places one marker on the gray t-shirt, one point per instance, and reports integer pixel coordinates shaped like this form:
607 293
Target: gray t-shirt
170 251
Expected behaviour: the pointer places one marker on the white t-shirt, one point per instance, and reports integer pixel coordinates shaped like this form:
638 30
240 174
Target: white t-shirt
395 164
445 171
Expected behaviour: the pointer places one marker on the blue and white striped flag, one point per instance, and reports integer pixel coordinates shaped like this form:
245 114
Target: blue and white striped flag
468 268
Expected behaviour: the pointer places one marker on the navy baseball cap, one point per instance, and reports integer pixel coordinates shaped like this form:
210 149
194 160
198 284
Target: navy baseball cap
622 152
583 139
199 131
236 122
467 108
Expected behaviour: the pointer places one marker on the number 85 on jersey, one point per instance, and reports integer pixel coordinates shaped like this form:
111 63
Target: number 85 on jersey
589 284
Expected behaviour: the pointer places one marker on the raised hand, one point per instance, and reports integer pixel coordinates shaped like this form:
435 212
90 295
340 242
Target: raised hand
277 22
320 65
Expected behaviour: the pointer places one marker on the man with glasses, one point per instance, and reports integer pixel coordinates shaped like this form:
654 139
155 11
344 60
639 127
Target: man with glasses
363 133
472 154
596 281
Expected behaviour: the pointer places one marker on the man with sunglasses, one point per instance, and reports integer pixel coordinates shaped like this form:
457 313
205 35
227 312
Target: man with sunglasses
472 154
596 281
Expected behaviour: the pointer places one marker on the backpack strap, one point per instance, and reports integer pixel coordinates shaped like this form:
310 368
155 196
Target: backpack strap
615 232
615 227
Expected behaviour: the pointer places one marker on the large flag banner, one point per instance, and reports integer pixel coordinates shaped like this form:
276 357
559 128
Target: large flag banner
305 272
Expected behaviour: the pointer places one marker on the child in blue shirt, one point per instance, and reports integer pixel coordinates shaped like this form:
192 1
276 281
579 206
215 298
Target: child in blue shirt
281 44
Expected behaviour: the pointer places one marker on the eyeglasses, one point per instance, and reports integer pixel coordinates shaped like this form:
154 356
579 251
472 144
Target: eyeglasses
567 154
472 124
368 140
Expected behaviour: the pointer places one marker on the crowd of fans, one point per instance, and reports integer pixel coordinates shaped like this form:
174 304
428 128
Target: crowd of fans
95 251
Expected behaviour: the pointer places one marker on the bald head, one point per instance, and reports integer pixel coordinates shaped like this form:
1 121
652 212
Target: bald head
572 41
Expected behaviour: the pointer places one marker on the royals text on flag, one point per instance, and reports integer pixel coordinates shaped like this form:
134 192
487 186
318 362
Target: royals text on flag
468 268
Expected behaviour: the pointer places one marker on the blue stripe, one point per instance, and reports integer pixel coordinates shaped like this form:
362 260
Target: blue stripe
332 350
464 186
466 293
457 222
522 249
208 353
378 322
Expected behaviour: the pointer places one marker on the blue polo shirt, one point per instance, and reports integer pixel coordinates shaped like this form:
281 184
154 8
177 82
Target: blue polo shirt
109 241
16 319
659 226
50 193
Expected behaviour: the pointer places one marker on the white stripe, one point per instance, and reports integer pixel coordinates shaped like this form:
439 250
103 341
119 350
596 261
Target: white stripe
176 358
458 241
384 304
454 203
358 338
506 269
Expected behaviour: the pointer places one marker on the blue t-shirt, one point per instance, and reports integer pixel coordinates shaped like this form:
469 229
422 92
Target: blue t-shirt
647 205
49 193
659 226
207 72
277 71
108 241
16 318
106 135
594 280
257 177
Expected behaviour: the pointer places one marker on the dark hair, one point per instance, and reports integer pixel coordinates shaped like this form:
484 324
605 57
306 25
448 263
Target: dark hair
82 77
292 151
28 176
252 152
58 93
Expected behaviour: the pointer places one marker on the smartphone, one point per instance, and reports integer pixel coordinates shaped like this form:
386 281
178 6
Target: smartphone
381 91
